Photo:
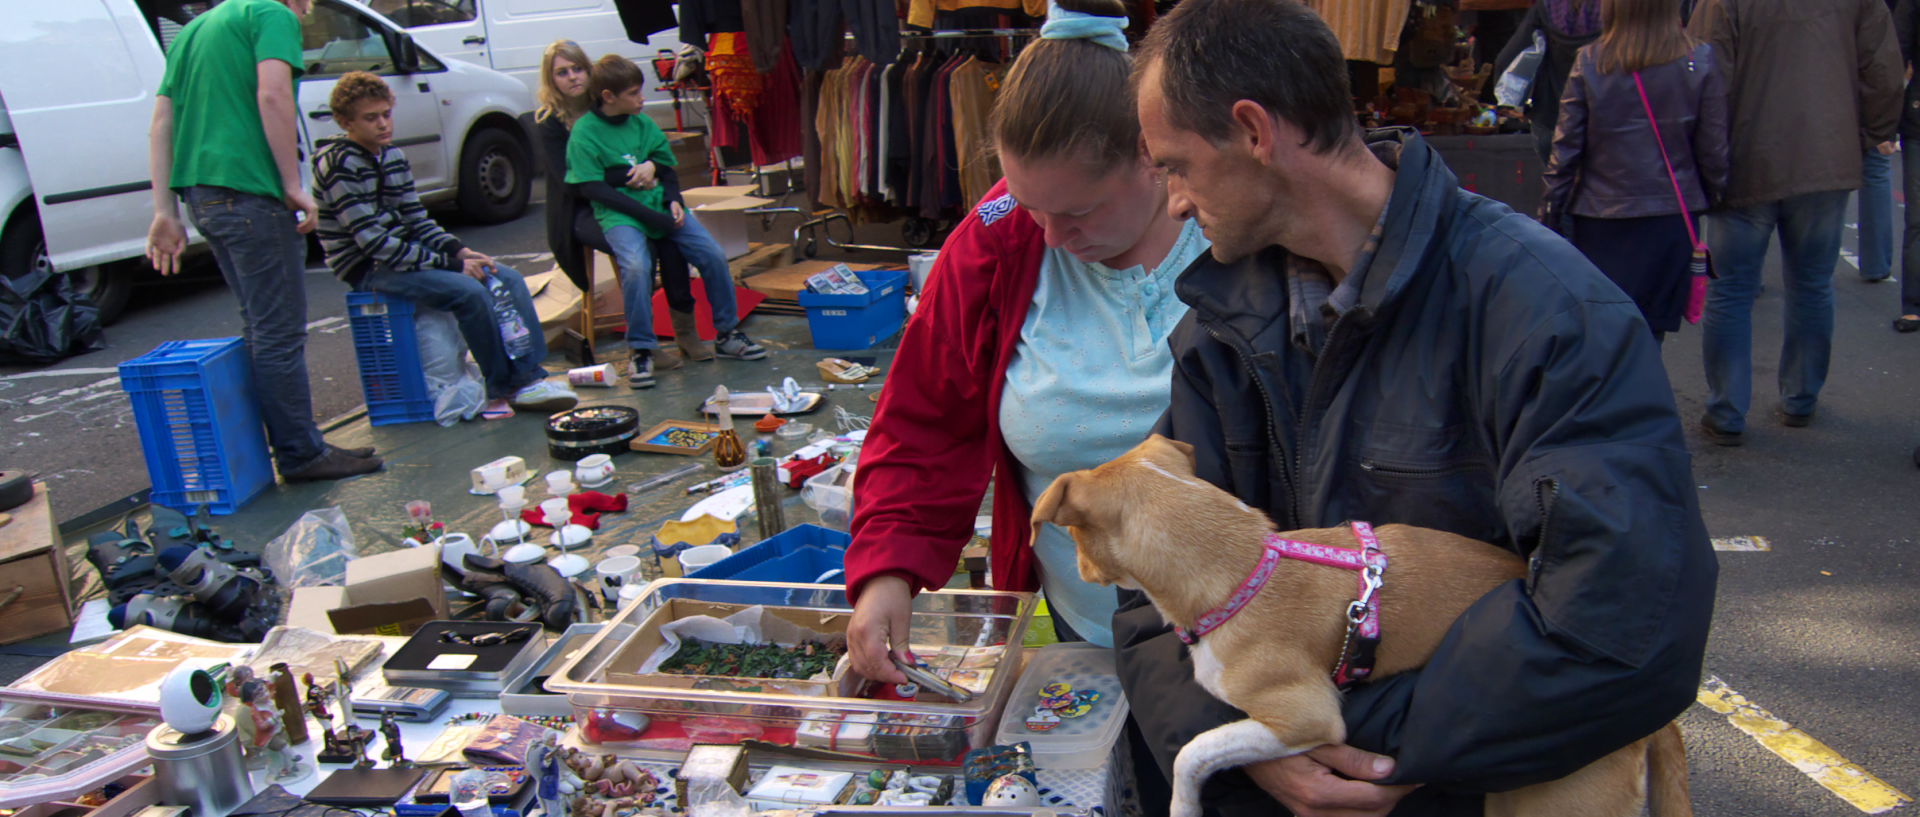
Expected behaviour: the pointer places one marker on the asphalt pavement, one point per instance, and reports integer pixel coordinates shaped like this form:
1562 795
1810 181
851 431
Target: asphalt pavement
1814 665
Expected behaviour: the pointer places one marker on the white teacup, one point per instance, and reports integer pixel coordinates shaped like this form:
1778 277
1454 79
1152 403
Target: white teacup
630 592
616 573
593 470
559 483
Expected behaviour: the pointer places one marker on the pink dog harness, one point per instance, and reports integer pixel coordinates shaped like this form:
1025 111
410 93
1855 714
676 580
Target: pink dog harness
1363 615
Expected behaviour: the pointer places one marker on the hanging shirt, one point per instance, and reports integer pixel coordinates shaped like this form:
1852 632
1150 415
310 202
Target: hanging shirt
1091 374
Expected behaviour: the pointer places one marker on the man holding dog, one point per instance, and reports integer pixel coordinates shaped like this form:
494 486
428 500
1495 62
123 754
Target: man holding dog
1370 342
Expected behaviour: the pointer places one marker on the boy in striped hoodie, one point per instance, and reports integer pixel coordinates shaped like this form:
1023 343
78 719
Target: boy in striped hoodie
378 238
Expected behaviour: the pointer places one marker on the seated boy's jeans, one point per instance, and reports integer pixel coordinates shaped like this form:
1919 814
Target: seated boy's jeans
635 257
472 306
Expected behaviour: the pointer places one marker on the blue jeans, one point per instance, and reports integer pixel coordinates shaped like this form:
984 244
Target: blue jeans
264 260
1876 216
472 306
1810 245
635 257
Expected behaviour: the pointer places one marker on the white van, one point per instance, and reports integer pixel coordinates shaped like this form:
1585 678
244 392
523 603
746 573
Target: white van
510 36
77 81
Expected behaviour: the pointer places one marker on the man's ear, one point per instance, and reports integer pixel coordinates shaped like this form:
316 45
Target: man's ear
1059 504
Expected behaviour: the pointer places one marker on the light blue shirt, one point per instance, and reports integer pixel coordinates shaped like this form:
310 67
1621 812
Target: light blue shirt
1089 379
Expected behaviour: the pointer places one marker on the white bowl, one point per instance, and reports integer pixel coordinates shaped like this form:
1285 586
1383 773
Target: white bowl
569 565
525 553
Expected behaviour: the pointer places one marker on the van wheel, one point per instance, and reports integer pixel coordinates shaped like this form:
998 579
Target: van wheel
23 249
496 177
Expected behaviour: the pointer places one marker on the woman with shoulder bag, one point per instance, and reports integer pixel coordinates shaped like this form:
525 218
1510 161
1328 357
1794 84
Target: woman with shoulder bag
1642 147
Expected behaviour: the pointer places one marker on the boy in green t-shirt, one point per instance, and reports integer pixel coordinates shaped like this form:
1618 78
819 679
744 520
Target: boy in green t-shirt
620 160
225 137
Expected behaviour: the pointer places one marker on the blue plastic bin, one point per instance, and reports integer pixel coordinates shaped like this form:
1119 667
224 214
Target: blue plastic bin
802 553
199 424
391 379
858 321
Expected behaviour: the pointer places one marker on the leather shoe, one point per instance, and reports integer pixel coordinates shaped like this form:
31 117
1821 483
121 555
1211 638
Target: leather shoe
360 453
1726 438
335 464
1792 420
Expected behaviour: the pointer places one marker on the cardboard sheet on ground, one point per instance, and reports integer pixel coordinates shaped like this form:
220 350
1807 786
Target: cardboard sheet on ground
745 299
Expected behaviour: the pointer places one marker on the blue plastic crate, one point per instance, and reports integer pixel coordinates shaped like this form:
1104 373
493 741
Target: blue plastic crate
391 379
858 321
199 424
802 553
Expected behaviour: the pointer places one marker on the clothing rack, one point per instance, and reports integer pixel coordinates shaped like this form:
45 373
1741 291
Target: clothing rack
918 231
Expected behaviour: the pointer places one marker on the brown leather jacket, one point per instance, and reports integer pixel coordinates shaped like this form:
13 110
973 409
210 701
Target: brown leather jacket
1606 162
1812 86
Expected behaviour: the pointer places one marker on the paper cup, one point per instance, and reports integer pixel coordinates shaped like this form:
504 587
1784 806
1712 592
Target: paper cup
616 573
694 558
600 375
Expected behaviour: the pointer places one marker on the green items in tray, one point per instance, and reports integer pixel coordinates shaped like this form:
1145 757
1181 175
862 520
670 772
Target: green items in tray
804 660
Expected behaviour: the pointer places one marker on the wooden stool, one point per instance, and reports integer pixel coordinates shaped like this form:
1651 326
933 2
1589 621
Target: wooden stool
591 325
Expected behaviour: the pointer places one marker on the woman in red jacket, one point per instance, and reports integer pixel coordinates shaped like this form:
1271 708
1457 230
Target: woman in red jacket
1038 348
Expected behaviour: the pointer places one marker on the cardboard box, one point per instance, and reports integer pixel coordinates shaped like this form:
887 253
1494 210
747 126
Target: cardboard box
35 570
624 668
310 606
556 300
390 618
722 210
398 576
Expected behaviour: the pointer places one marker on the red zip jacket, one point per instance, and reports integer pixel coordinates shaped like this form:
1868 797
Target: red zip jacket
935 437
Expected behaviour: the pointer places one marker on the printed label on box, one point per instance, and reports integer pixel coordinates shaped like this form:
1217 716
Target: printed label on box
453 661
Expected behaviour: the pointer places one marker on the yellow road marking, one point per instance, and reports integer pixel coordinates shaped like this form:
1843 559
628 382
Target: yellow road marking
1742 543
1814 759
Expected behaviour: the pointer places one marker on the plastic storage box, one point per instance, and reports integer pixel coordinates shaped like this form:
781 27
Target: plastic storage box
1071 743
970 637
199 424
804 553
391 379
858 321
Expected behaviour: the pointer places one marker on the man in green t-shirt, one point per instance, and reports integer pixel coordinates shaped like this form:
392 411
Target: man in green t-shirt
225 137
619 159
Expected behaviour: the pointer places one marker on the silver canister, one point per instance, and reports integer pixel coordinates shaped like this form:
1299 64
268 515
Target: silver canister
205 772
766 496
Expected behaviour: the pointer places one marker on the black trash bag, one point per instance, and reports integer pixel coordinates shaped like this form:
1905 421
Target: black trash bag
43 319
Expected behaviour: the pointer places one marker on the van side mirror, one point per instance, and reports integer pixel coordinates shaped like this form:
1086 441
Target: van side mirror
406 55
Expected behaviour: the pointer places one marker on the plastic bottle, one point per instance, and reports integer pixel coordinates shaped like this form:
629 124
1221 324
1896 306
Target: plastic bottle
513 330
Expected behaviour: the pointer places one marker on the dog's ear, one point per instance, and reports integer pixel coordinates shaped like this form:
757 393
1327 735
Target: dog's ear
1058 504
1185 449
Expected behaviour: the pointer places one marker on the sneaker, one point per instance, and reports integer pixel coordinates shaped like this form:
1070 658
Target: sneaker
640 373
335 464
544 395
737 345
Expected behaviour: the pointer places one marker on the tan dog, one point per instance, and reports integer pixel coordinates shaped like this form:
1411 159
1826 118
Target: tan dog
1144 521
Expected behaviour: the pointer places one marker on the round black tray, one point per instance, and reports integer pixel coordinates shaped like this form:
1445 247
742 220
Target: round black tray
581 432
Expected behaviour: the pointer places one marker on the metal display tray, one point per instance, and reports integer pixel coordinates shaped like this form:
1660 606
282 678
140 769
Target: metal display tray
514 700
411 664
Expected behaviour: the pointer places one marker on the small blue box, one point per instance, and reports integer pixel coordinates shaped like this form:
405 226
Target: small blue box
199 424
803 553
392 381
858 321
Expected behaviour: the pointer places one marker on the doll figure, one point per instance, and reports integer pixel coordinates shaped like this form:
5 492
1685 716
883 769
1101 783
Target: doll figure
554 781
269 733
394 754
